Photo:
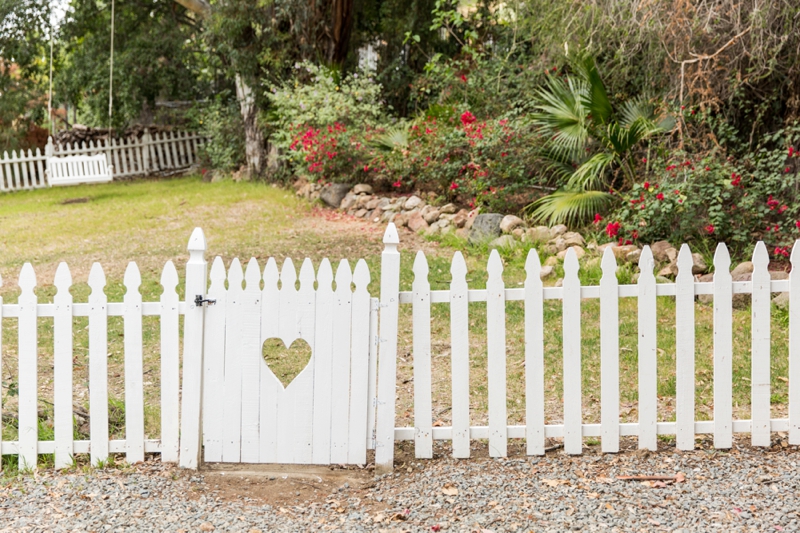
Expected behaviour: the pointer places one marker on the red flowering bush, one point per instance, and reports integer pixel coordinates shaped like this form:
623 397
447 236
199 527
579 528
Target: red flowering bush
330 153
717 200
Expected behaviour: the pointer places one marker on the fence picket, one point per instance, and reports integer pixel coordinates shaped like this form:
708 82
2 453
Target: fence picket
609 353
323 364
98 365
684 351
289 331
648 355
170 366
39 168
251 361
794 346
760 351
421 332
723 348
4 175
534 355
571 316
28 370
459 358
15 162
304 403
359 366
232 420
270 386
134 370
26 182
179 135
340 371
496 356
1 353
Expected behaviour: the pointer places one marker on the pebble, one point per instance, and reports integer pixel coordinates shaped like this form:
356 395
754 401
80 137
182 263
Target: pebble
745 489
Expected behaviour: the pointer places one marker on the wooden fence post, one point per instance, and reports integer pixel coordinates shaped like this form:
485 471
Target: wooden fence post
192 389
387 354
49 150
146 152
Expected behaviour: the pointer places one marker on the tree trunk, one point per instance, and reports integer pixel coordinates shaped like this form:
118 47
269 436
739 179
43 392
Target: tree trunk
253 138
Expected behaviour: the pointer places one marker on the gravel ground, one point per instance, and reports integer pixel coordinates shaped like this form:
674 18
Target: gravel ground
744 489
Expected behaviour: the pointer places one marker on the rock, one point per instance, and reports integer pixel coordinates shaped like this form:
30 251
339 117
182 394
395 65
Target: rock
573 238
400 219
781 300
416 222
334 193
518 233
777 275
633 257
360 213
560 282
510 223
362 188
538 234
672 255
559 243
377 215
698 264
659 250
460 218
431 215
412 203
448 209
602 248
462 233
485 227
392 206
304 191
471 216
669 270
363 200
742 268
551 261
555 231
621 251
504 241
374 203
348 201
579 252
546 272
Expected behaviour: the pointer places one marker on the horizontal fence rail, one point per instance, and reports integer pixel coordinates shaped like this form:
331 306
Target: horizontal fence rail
63 310
161 152
609 292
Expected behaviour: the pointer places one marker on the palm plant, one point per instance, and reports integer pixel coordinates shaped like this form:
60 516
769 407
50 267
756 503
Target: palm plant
590 147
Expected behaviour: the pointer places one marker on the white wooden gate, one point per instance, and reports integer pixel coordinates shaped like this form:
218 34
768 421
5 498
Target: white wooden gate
324 415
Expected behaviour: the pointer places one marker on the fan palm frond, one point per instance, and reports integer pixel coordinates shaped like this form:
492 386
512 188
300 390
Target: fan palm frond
590 174
395 138
569 206
560 114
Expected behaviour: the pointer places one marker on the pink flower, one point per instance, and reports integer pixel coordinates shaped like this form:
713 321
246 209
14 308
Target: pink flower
710 229
464 78
366 168
646 185
644 160
453 186
612 228
797 224
467 118
791 151
598 218
397 183
660 196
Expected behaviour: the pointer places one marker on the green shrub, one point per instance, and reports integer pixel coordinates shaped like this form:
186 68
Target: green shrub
221 123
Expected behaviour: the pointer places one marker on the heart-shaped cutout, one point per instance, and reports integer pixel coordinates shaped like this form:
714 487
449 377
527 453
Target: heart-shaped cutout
286 363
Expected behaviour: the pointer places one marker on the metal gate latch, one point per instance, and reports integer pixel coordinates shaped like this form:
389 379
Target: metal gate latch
199 301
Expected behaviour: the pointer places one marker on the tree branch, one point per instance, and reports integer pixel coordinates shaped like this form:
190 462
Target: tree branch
201 7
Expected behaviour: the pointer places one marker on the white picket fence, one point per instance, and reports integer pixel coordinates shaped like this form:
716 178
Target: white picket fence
573 429
133 156
240 414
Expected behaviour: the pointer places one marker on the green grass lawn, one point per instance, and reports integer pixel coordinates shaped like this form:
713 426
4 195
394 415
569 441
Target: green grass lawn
149 222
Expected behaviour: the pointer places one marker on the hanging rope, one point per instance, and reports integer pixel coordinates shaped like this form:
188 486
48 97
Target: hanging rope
111 75
50 95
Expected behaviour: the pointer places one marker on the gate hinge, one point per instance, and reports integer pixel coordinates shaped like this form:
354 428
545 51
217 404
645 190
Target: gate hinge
199 301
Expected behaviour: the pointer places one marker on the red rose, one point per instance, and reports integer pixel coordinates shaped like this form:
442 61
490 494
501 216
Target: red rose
660 196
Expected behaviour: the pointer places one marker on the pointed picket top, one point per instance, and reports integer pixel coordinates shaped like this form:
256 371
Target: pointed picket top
133 278
197 242
390 236
97 278
533 266
288 274
252 275
458 268
27 278
13 154
361 276
30 154
38 152
646 262
63 279
495 265
685 261
344 276
420 267
307 275
271 274
571 263
235 274
722 258
760 256
325 276
795 257
217 274
5 154
169 276
609 264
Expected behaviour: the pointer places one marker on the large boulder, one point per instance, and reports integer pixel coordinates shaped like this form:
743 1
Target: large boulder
742 268
362 188
416 222
348 202
485 227
333 193
659 250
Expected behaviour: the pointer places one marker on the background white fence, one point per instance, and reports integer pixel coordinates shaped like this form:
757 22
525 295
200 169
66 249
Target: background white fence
573 429
161 152
202 335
